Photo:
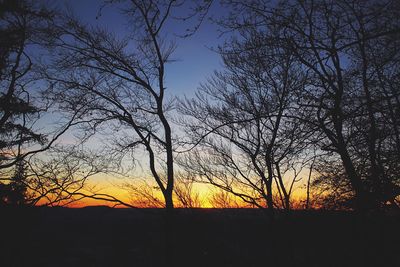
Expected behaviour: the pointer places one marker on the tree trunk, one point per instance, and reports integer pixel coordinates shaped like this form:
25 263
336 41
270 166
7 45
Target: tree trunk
363 203
169 203
308 186
270 202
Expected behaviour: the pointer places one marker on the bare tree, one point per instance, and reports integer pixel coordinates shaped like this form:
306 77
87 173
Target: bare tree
119 84
242 125
336 43
347 48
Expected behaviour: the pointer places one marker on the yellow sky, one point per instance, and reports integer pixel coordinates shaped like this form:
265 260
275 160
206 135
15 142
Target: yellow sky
114 187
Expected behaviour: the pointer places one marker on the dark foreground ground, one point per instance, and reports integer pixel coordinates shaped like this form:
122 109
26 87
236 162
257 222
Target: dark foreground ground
101 236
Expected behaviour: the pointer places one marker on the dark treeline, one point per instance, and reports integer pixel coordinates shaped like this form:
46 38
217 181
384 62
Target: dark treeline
308 94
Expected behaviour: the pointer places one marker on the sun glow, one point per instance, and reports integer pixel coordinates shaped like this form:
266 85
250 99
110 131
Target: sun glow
104 192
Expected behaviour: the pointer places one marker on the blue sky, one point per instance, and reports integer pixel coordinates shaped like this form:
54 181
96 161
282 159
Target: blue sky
195 61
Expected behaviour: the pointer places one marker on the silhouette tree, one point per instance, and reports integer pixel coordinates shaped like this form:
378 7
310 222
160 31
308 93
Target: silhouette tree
15 66
349 98
14 193
242 122
119 84
342 94
25 28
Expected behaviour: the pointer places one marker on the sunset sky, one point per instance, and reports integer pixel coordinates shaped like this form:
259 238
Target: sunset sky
195 61
236 133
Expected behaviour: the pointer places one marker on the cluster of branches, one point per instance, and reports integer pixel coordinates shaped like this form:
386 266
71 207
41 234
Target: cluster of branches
34 168
309 92
24 31
309 84
102 84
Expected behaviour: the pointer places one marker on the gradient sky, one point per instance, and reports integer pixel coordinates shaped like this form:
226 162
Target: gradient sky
194 62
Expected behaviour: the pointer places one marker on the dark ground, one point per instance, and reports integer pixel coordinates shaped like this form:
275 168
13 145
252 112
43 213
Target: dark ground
100 236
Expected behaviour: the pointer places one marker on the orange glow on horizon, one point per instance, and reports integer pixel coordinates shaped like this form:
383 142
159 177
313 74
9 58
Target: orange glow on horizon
206 197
